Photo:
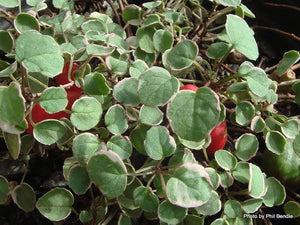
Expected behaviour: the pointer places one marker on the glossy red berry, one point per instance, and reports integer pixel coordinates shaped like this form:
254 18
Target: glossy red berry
38 114
189 87
218 138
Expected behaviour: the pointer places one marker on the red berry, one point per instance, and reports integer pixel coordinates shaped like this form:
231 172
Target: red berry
218 138
189 87
38 114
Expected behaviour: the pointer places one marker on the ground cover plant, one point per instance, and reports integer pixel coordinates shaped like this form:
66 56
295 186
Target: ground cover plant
143 117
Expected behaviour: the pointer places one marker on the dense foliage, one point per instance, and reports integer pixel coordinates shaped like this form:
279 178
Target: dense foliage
104 90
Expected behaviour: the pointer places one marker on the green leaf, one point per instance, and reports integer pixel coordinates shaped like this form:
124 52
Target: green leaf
233 208
85 216
156 86
49 131
245 111
251 205
125 91
220 221
257 81
290 128
86 113
275 142
115 120
146 199
137 68
13 144
241 172
132 15
68 163
148 58
225 159
212 207
95 25
4 189
26 22
292 208
214 177
9 3
12 105
190 186
162 40
296 89
233 3
79 179
256 187
193 115
144 37
56 204
151 115
296 145
99 50
120 145
226 179
241 36
158 143
257 124
107 170
138 136
181 157
217 50
275 194
246 146
124 220
6 41
247 11
182 55
195 145
171 214
39 53
289 59
84 146
24 196
54 99
193 220
116 66
95 84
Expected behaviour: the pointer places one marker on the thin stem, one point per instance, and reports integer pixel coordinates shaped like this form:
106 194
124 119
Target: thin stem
201 70
37 81
145 169
20 6
70 69
13 78
216 28
205 155
75 211
150 180
293 36
163 184
226 79
221 61
108 219
115 11
218 14
190 81
283 6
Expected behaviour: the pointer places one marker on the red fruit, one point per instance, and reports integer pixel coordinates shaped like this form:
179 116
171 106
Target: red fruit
38 114
218 138
189 87
62 78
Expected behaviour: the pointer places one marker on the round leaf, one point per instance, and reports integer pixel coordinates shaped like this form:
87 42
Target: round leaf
246 146
171 214
151 115
214 177
212 207
275 142
85 216
245 111
24 196
292 208
79 180
9 3
156 86
162 40
190 186
6 41
158 143
257 124
132 14
26 22
225 159
39 53
182 55
95 84
116 66
84 146
296 145
137 68
217 50
193 115
256 187
226 179
233 208
275 194
4 189
86 113
107 170
138 136
241 36
289 58
56 204
290 128
54 99
251 205
241 173
13 144
144 37
121 145
49 131
125 91
115 120
146 199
